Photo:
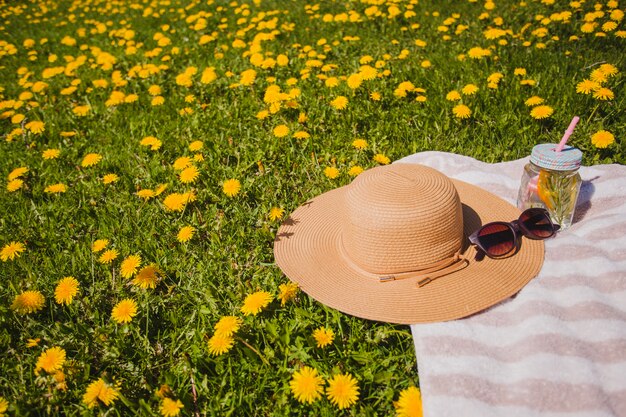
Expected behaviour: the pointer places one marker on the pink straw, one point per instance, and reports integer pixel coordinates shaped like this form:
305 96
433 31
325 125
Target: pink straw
567 134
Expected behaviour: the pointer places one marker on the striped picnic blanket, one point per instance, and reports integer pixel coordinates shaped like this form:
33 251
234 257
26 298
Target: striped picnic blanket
557 348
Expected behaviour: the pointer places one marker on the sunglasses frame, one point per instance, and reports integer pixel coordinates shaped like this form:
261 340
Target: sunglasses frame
517 227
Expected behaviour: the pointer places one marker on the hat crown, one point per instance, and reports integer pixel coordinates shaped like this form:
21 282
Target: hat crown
401 218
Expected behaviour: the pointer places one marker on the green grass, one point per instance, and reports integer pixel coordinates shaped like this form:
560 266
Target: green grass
230 256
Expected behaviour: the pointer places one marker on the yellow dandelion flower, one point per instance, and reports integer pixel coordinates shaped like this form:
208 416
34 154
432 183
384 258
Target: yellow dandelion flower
375 96
598 76
163 391
495 77
175 202
182 163
469 89
355 170
124 311
170 408
354 81
603 94
152 142
602 139
381 159
14 185
342 390
219 344
306 385
17 173
368 72
276 213
281 131
4 406
160 188
331 82
287 292
196 146
541 112
129 266
227 325
32 342
51 154
302 118
100 390
587 86
263 114
108 256
461 111
609 70
340 103
91 159
359 144
208 75
255 302
323 337
301 134
55 188
617 15
65 290
410 403
50 360
185 233
519 71
110 178
189 175
11 251
331 172
231 187
533 101
147 277
81 111
28 302
154 90
453 96
99 244
247 77
37 127
146 194
609 26
157 101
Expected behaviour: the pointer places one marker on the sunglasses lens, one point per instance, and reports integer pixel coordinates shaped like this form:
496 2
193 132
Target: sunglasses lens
537 222
496 239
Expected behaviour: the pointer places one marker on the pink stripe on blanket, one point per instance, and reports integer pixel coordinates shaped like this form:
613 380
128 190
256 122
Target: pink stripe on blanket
537 394
578 312
609 351
608 282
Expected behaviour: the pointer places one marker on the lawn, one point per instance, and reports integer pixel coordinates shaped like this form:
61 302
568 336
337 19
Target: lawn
150 150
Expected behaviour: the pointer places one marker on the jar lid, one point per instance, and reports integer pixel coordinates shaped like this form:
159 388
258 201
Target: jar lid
545 156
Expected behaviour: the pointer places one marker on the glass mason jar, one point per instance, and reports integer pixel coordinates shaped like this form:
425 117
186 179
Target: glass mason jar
551 180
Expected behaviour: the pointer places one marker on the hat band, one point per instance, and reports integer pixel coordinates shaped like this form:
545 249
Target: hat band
426 273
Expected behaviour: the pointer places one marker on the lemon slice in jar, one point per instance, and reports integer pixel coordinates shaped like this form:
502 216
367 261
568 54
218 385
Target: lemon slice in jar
543 189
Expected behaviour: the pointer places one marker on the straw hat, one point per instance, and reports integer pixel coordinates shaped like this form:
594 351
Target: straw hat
365 248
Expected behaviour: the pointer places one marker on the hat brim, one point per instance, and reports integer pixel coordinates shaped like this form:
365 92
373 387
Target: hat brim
306 249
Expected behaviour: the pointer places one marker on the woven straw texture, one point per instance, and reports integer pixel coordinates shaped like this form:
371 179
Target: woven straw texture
392 222
393 210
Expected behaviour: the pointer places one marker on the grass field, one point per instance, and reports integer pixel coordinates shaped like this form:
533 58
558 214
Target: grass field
150 150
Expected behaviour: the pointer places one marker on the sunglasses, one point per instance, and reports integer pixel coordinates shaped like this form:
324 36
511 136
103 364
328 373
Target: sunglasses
499 239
